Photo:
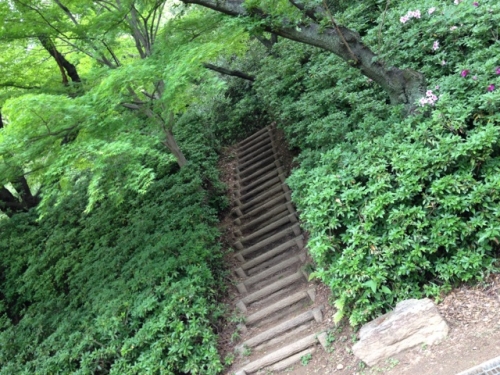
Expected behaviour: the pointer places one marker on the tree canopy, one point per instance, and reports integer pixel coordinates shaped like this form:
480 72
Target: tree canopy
112 117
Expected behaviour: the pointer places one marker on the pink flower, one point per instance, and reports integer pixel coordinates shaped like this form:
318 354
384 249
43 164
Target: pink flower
475 3
497 70
491 88
474 78
429 99
431 10
409 15
435 45
437 87
464 73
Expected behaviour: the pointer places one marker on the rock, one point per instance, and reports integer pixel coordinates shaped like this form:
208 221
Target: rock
411 323
340 366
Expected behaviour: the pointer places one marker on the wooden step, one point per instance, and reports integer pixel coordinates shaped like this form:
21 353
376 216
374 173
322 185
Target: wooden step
283 198
253 136
297 241
279 355
275 237
270 289
256 166
282 365
275 331
253 146
259 154
242 287
280 305
291 218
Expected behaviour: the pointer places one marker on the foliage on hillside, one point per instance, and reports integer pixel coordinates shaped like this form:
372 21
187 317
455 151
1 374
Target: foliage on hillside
127 289
118 269
396 207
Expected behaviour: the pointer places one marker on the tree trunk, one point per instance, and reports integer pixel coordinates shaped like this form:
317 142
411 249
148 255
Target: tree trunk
11 205
404 86
166 125
174 148
64 65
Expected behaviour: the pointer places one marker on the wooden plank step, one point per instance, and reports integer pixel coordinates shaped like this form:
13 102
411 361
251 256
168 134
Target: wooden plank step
297 241
282 365
279 355
253 136
256 166
275 212
278 329
291 218
254 145
259 245
242 287
260 154
270 289
267 181
285 197
274 189
280 305
243 182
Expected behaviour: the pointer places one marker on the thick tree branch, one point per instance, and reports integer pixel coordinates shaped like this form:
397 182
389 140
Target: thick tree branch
229 72
404 86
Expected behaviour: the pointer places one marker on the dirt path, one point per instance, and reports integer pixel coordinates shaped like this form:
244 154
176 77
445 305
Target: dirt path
473 314
279 318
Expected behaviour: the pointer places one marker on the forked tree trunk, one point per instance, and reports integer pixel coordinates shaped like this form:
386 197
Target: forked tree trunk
403 86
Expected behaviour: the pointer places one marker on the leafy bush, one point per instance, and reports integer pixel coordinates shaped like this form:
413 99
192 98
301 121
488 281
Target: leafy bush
128 289
396 207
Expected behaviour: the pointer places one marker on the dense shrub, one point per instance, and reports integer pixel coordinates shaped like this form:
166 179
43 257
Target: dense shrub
127 289
396 207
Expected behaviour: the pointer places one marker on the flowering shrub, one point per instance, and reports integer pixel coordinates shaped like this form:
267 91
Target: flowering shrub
430 98
411 14
396 207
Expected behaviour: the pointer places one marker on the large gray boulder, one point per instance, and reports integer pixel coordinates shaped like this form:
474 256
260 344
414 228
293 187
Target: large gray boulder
411 323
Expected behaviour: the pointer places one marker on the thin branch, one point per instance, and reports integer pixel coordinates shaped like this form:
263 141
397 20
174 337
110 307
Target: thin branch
16 86
229 72
340 32
67 11
382 25
36 10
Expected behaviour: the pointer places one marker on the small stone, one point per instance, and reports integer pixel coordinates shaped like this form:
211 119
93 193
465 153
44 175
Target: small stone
340 366
474 348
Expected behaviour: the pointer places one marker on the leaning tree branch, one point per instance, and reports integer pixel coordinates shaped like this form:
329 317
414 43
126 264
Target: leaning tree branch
229 72
403 86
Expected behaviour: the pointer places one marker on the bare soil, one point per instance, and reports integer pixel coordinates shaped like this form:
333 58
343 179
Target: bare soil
473 314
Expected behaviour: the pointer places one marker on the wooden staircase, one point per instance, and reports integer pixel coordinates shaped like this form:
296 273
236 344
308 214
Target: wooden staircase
281 319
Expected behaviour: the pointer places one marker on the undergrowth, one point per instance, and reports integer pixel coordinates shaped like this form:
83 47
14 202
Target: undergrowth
127 289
